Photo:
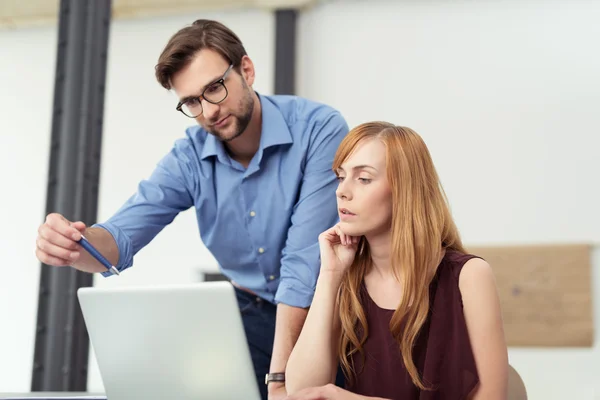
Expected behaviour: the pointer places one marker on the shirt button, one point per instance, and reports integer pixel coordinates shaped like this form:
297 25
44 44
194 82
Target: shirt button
272 277
252 213
261 250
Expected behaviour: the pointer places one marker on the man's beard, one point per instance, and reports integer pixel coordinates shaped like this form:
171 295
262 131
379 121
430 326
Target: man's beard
239 122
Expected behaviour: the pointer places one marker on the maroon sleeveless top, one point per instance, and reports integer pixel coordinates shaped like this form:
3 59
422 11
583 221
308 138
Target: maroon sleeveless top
442 351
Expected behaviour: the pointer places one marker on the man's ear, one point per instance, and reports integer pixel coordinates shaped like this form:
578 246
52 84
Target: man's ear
247 70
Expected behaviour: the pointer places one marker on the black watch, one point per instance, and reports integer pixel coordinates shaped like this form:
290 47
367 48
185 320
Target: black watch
274 377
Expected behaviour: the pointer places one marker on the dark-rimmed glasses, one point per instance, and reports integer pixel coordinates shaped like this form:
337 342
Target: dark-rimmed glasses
214 93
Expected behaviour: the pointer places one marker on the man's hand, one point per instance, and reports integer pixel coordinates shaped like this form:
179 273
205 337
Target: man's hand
56 243
277 391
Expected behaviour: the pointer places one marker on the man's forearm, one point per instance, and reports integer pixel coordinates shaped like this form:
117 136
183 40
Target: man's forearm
288 326
104 242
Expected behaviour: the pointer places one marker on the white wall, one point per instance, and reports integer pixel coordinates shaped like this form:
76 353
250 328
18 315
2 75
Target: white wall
492 87
141 125
27 71
507 96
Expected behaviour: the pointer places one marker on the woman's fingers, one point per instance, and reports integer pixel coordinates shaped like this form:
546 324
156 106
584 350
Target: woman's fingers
342 236
346 239
330 235
335 235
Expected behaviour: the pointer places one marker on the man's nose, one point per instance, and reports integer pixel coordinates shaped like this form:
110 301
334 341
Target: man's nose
209 110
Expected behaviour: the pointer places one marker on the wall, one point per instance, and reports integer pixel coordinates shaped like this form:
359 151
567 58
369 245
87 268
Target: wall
27 70
506 95
141 125
492 86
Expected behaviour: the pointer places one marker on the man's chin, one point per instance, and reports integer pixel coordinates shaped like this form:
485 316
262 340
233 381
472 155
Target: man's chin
228 136
225 135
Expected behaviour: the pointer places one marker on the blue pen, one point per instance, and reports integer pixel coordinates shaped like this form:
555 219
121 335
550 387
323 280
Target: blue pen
96 254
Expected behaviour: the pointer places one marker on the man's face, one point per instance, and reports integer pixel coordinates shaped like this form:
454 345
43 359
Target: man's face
229 118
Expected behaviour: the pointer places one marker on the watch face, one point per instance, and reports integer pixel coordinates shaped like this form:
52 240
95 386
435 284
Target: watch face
266 379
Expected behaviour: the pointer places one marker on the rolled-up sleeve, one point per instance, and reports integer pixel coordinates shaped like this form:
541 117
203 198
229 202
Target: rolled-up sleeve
158 200
314 212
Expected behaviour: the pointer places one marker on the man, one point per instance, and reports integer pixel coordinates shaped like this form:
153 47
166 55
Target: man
257 170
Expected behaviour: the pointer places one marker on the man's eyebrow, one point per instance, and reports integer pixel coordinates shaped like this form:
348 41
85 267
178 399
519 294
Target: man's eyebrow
186 98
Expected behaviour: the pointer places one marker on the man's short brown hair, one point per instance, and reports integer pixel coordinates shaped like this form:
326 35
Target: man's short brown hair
202 34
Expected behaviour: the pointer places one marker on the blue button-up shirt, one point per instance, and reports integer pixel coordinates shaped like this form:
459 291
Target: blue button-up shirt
261 223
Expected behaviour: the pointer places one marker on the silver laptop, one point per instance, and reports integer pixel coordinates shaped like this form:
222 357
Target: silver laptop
179 342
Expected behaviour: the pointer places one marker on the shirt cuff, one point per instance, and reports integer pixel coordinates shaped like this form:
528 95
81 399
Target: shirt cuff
297 295
123 244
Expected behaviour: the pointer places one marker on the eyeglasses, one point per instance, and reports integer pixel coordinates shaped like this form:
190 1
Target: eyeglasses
214 93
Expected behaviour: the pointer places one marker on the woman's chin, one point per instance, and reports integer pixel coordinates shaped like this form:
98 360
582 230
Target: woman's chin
350 229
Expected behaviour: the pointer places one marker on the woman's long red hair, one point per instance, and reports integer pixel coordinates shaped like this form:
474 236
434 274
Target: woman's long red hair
421 227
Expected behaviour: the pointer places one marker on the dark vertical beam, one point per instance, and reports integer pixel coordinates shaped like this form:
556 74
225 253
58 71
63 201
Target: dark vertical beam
285 51
62 343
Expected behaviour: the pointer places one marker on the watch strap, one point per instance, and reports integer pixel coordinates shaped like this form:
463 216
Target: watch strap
275 377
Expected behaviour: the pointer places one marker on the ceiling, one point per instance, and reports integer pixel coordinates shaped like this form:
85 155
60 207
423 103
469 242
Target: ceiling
20 13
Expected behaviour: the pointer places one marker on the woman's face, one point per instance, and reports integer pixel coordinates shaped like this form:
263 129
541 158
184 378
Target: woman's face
364 195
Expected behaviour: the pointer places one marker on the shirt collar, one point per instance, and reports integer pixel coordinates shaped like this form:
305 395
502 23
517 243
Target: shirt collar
275 130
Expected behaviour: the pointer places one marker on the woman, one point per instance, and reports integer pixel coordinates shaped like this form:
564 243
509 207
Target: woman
399 303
